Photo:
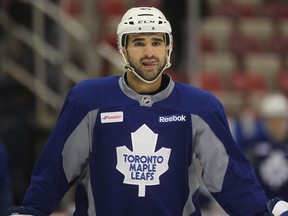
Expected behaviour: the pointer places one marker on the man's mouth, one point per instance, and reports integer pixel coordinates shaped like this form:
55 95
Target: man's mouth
150 63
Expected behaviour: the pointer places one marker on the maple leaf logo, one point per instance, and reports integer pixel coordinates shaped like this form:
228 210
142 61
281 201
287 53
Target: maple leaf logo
142 166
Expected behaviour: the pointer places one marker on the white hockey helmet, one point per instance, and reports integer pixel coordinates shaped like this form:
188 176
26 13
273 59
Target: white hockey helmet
144 20
274 105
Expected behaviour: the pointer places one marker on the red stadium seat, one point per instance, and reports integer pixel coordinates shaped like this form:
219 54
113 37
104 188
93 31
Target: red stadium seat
242 44
239 81
257 82
211 81
278 44
274 9
207 44
251 82
282 80
270 9
112 8
73 8
236 9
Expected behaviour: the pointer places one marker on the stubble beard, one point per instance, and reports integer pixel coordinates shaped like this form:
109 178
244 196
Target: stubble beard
148 75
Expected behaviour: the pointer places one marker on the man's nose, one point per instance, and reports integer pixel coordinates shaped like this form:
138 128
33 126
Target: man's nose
149 50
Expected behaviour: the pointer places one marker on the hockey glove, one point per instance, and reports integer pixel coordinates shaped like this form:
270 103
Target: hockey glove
23 211
277 207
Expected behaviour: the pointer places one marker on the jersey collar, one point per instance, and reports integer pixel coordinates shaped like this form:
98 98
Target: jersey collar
146 100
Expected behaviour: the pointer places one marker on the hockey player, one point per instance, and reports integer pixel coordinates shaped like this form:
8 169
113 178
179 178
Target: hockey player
268 151
128 142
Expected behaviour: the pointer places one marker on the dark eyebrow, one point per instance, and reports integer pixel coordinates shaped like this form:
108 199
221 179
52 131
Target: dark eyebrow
158 39
142 39
137 39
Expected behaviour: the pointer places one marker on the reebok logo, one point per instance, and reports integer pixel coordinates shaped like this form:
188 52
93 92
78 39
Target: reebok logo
172 118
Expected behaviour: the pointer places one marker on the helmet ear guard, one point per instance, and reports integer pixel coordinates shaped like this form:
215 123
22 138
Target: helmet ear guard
123 41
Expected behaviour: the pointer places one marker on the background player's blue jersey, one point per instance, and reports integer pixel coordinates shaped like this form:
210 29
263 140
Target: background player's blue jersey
132 154
269 156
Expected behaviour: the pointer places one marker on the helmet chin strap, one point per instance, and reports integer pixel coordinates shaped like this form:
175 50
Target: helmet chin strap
128 67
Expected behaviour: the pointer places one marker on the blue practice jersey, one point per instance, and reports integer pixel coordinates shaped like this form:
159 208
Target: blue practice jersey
132 154
270 159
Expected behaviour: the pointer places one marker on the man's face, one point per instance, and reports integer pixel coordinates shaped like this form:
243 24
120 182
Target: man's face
277 127
146 53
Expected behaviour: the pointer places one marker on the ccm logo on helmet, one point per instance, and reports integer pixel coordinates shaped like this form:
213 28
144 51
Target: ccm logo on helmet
172 118
146 21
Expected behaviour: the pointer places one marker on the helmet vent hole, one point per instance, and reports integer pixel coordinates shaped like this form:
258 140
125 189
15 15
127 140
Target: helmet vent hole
153 28
145 15
139 28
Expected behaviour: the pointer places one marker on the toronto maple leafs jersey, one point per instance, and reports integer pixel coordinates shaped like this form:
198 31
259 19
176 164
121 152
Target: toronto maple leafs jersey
132 154
269 157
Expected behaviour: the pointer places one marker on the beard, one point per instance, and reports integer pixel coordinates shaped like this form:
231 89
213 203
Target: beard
145 74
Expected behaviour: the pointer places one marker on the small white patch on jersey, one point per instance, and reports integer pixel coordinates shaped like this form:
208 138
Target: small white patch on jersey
111 117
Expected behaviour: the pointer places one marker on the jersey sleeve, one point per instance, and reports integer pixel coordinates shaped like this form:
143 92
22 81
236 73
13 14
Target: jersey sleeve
63 157
227 174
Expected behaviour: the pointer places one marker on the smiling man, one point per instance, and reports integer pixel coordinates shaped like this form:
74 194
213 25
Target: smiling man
129 142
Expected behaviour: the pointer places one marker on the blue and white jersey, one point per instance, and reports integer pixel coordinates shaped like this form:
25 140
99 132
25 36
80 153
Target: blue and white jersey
132 154
270 159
